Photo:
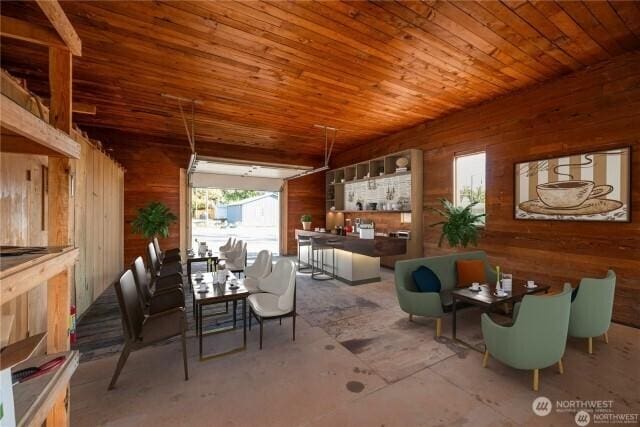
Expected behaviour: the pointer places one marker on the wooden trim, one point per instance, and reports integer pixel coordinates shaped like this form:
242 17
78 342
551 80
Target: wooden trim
16 119
59 20
29 32
184 210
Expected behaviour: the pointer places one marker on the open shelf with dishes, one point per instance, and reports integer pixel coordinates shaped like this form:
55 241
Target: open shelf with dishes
388 188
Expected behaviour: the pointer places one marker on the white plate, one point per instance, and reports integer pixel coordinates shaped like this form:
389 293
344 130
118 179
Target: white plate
495 294
531 287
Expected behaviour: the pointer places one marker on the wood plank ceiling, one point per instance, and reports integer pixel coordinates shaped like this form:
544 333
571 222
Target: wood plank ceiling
266 72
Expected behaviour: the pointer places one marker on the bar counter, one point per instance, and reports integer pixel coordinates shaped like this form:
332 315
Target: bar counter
357 260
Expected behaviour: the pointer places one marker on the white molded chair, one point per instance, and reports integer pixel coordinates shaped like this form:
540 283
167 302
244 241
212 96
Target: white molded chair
237 259
228 246
260 268
277 296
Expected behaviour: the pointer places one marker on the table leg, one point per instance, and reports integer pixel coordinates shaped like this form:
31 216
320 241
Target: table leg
244 321
189 274
200 331
235 307
453 321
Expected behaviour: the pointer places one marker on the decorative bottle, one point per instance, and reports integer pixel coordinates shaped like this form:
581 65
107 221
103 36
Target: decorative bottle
498 286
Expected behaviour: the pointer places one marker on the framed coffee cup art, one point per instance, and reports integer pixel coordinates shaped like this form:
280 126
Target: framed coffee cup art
593 186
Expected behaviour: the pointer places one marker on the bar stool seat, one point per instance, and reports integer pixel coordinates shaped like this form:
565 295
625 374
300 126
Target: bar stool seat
320 246
304 241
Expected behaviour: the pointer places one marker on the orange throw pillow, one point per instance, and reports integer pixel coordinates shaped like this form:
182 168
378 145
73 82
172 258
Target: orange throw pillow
469 271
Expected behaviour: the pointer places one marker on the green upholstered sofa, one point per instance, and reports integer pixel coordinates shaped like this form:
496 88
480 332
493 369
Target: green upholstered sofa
430 304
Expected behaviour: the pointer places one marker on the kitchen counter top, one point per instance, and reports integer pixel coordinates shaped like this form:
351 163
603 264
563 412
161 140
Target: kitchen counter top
377 247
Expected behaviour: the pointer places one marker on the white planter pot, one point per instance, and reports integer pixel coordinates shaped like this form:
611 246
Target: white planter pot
306 226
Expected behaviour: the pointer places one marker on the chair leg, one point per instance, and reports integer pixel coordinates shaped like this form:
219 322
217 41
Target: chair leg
485 359
281 321
124 355
536 377
560 367
590 345
184 349
438 327
410 317
261 321
606 337
250 311
294 326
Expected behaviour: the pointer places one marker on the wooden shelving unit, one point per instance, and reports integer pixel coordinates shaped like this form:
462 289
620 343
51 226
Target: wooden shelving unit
374 170
30 128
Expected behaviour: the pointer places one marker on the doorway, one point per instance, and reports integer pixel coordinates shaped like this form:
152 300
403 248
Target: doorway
252 216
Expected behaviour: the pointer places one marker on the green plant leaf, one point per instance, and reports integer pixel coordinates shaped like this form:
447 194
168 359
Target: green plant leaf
459 227
153 220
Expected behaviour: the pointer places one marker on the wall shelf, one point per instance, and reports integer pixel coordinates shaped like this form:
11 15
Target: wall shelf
19 274
24 132
35 398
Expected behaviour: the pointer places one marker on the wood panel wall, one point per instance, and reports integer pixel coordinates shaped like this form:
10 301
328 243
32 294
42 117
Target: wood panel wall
23 223
594 109
152 174
98 207
304 195
95 218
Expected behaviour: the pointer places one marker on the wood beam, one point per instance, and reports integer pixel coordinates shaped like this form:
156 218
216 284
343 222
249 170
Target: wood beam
59 212
82 108
79 107
62 25
33 33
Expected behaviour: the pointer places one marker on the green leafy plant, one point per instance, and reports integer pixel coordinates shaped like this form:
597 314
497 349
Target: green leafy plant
305 218
153 220
460 226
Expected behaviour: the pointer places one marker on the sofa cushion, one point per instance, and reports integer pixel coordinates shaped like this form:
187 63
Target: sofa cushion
426 280
469 271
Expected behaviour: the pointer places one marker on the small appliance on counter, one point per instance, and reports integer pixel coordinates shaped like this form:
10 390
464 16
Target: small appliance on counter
401 234
367 231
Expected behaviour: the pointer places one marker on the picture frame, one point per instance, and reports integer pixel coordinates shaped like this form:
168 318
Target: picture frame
587 186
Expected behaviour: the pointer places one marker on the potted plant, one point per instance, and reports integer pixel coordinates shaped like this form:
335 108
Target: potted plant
153 220
306 221
460 226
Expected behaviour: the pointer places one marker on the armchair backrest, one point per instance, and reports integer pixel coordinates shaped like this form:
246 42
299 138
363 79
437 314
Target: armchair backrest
539 333
229 245
443 266
142 280
154 262
592 308
130 305
261 266
281 282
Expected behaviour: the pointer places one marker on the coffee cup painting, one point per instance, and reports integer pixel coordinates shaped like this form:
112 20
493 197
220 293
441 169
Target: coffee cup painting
584 187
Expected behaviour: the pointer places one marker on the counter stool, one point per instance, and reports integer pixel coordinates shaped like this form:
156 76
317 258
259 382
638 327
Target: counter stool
304 241
322 245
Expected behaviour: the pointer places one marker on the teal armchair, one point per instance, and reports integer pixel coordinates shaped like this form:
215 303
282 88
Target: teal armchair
536 339
592 308
430 304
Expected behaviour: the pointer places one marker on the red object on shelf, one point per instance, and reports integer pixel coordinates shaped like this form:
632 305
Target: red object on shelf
72 325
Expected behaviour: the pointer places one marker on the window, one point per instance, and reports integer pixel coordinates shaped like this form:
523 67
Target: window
469 181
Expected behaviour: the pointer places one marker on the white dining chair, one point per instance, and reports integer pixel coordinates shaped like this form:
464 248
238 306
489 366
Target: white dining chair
277 296
260 268
227 246
237 259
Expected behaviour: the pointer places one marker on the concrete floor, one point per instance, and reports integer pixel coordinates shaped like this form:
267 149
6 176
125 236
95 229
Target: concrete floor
356 361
